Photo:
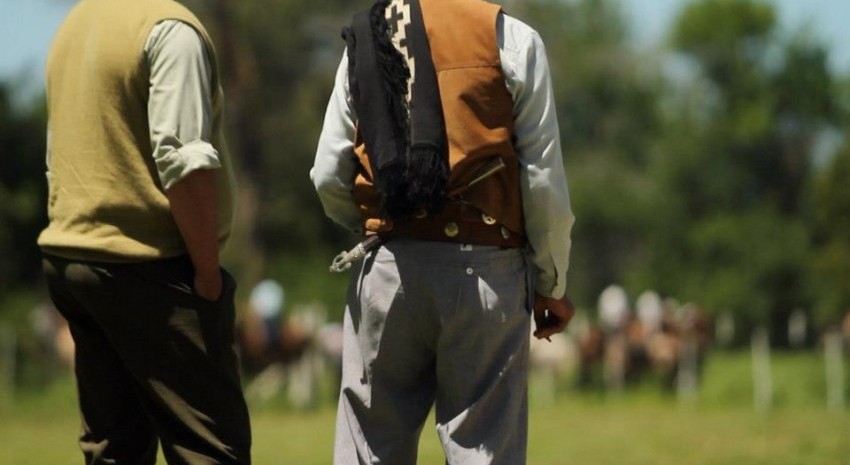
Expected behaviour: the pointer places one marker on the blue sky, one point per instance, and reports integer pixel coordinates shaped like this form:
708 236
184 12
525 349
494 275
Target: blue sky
27 26
827 20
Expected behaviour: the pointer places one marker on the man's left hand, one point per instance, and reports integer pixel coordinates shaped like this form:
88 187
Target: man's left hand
551 315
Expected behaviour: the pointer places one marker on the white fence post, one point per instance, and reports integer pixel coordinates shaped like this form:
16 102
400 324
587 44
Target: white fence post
687 379
834 361
762 378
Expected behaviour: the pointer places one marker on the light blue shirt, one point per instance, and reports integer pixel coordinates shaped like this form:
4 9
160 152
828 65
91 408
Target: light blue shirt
545 195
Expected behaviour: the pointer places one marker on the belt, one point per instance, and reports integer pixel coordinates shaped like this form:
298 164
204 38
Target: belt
458 222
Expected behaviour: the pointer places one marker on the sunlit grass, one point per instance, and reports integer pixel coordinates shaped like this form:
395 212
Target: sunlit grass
639 428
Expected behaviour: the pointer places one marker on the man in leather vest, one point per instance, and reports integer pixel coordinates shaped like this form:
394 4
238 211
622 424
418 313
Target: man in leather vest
441 140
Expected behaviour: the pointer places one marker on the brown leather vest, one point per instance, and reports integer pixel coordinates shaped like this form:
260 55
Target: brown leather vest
478 111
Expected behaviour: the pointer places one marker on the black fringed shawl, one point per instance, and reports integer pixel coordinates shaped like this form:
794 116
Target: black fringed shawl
405 138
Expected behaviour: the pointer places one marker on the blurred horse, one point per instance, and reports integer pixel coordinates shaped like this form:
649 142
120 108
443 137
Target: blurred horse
305 349
550 360
280 349
662 338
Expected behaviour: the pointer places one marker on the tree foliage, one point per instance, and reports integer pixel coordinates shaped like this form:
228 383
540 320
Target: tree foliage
740 161
23 192
830 262
607 101
709 183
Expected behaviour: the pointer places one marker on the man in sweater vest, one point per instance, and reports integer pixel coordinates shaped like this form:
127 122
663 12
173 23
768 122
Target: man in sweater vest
140 202
440 143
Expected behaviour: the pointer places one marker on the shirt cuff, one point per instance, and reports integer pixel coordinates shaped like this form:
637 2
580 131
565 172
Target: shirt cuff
177 163
547 286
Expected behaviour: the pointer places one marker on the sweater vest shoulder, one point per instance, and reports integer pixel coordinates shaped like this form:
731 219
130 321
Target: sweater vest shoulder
105 199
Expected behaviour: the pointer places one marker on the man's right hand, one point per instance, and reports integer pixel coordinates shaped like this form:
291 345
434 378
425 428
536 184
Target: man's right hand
209 285
194 207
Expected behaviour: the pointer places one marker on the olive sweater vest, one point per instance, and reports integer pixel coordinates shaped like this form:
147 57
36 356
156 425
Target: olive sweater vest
478 112
106 202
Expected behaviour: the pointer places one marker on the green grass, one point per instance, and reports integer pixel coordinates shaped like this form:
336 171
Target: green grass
638 428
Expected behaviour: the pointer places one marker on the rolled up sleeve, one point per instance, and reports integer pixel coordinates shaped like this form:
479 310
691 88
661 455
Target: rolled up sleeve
180 102
177 160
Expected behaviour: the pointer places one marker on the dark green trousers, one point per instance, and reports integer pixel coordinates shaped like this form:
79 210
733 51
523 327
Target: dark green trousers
154 363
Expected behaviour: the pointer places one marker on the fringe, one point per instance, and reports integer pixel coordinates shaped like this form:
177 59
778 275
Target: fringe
418 177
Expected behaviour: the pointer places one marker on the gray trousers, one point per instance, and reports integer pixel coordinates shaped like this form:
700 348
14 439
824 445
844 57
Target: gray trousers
154 362
441 324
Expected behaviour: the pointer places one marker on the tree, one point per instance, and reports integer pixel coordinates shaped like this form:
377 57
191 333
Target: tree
607 97
278 59
735 163
830 262
23 191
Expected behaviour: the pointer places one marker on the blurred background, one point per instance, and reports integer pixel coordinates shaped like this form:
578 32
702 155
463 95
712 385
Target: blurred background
707 148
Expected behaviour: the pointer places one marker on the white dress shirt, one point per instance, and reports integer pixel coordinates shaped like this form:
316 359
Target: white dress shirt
545 196
180 102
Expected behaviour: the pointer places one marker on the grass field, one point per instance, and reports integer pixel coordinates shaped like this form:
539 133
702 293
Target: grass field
638 428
